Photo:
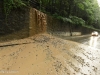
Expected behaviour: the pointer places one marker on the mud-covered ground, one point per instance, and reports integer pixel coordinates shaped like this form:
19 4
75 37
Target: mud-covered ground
45 54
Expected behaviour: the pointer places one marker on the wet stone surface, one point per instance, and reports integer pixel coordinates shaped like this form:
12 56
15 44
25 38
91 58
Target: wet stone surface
48 55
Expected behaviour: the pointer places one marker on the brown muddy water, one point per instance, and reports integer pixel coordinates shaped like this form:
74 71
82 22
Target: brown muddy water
45 54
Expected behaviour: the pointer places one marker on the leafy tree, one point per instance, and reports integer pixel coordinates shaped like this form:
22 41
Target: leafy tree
13 4
73 12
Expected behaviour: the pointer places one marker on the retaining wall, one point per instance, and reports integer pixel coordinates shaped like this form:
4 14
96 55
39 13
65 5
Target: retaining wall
29 21
21 23
58 27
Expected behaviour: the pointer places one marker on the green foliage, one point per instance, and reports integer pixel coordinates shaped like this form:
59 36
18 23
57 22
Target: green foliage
72 20
64 19
12 4
67 20
77 21
81 6
84 12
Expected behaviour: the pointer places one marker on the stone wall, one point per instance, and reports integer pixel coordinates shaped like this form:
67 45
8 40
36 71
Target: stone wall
58 27
16 23
21 23
18 20
54 25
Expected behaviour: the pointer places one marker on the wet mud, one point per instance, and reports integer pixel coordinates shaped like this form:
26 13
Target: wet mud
45 54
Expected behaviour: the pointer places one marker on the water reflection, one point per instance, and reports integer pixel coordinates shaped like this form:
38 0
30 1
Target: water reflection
93 41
